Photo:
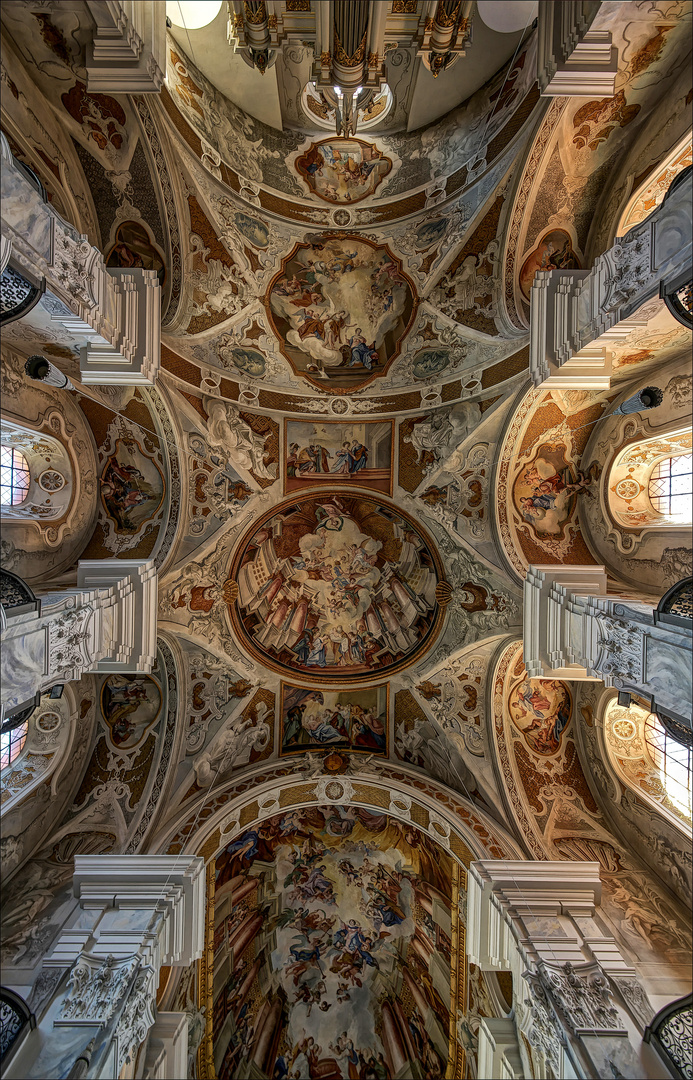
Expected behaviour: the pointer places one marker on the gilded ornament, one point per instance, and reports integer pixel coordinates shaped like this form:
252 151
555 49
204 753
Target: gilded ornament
443 593
230 591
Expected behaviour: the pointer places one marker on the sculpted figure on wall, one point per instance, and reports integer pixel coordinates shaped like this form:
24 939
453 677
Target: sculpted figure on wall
227 432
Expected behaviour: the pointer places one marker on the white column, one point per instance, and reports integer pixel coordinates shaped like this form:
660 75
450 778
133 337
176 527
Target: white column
108 624
576 632
167 1050
499 1052
576 316
535 920
573 60
114 316
127 54
136 914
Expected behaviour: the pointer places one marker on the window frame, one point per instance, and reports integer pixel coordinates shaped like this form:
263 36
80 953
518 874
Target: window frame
14 468
655 477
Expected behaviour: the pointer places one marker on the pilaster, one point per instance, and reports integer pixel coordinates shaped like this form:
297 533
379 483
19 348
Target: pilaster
536 920
107 624
127 53
574 631
574 60
135 915
577 316
114 316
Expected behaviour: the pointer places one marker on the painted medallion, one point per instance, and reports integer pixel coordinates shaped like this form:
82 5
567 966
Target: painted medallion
130 705
341 307
343 170
336 588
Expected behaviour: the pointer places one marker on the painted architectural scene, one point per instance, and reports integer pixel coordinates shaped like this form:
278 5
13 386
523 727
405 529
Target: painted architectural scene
358 454
333 949
341 307
336 587
343 170
339 720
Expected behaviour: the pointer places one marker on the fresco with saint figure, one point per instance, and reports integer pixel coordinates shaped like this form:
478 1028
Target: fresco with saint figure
132 487
336 586
541 709
334 720
547 488
343 170
130 705
357 454
333 948
341 307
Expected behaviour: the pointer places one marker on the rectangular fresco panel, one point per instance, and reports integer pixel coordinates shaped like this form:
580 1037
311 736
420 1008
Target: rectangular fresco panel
357 454
334 719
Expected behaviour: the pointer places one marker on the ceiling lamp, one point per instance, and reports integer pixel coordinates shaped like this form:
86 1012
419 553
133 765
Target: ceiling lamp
507 18
192 14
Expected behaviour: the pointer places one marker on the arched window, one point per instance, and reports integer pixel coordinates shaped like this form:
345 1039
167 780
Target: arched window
12 742
35 747
650 484
673 762
15 477
649 759
671 487
36 481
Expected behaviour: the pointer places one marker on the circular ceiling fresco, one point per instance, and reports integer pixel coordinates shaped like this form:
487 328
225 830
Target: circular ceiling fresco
336 587
341 307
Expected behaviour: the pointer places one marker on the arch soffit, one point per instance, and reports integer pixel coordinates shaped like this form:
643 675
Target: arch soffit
448 819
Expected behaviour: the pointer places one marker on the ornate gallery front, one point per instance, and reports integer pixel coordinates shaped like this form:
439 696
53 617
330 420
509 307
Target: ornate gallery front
346 555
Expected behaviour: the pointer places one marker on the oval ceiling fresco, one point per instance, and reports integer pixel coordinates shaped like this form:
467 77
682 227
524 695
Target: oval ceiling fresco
341 307
336 587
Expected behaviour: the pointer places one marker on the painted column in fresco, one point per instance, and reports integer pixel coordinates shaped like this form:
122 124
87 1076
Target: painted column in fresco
242 937
264 1046
392 1040
417 994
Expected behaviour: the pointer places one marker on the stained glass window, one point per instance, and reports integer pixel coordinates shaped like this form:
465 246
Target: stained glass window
673 760
671 487
12 743
14 476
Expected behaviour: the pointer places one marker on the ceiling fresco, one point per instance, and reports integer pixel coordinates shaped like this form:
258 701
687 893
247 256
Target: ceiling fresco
342 475
340 926
337 587
341 307
343 170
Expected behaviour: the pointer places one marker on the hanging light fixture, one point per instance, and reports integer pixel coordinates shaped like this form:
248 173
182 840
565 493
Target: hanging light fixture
192 14
39 368
648 398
